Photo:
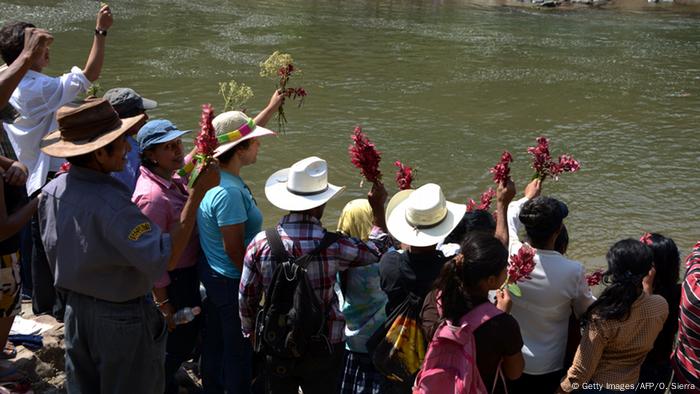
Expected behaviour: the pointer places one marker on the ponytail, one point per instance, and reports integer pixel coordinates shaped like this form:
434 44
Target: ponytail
482 256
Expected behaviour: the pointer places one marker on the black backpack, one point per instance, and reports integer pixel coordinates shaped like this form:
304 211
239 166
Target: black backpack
293 315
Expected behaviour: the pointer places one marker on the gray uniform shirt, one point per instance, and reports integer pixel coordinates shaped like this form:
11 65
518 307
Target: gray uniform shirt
97 241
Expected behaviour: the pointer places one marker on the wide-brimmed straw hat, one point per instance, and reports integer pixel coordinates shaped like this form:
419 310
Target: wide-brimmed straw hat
234 127
422 217
302 186
84 127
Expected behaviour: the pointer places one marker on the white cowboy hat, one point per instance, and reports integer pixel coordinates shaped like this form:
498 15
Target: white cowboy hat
234 127
302 186
422 217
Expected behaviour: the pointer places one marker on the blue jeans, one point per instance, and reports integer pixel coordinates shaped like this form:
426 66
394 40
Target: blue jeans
227 357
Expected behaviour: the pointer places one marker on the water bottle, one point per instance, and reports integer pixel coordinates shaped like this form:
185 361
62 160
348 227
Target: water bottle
186 315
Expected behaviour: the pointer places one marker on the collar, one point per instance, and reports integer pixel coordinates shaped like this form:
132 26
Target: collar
548 252
299 218
225 175
167 184
90 175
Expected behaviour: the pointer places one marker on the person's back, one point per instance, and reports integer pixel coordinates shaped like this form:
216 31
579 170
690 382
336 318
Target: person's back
686 357
303 190
620 327
544 308
556 286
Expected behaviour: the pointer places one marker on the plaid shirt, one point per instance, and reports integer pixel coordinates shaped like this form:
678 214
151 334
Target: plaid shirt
301 234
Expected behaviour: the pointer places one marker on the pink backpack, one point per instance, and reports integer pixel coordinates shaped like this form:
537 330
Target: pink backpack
450 362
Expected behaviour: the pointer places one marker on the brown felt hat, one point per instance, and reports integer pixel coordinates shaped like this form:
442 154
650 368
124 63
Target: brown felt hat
86 126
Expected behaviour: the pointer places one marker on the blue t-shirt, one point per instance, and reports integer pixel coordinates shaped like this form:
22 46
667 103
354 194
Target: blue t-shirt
130 174
227 204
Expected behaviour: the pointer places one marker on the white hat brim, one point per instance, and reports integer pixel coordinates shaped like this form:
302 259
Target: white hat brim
403 231
259 131
277 193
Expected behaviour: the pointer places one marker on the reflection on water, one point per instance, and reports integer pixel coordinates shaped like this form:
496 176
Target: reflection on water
441 85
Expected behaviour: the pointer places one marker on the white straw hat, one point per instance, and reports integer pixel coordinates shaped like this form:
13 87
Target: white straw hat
302 186
234 127
422 217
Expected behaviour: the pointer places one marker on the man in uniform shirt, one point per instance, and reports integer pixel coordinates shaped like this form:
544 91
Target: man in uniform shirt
108 254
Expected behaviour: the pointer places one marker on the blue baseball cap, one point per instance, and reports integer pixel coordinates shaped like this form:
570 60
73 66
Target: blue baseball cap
156 132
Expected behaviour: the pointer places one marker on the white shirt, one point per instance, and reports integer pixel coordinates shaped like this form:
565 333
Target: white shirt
543 311
37 98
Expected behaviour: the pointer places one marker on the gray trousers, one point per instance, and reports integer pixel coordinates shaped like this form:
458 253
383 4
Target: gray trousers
112 347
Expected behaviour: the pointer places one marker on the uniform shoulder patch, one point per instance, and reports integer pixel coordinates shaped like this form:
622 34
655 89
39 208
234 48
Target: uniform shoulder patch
139 230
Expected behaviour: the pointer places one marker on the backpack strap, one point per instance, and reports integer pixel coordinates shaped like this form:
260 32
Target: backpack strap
328 239
480 315
279 252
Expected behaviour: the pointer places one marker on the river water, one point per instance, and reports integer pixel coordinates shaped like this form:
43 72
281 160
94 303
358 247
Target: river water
444 86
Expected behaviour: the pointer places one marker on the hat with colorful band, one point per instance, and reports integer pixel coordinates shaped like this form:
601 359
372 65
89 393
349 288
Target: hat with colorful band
244 128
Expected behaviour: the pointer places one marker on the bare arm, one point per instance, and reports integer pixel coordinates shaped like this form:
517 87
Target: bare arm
377 198
513 366
182 231
93 66
504 195
266 114
234 241
35 40
12 224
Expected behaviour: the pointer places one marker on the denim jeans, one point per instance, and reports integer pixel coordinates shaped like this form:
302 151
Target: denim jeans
227 357
113 347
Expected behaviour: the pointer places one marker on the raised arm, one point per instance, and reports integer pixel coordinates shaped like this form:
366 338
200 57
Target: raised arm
93 66
532 190
266 114
182 231
504 195
35 42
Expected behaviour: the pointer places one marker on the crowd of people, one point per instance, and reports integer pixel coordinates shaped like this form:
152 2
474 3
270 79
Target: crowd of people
119 246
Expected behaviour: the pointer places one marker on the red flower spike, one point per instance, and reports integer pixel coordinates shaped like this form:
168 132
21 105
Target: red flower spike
404 176
543 164
501 171
486 198
521 265
364 155
594 278
471 204
646 239
206 141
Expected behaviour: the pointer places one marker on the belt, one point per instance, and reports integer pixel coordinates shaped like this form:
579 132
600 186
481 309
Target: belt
136 300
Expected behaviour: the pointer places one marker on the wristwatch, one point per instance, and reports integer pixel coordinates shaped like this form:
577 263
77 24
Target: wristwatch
101 32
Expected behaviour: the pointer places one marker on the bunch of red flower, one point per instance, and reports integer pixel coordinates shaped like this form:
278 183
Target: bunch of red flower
486 198
206 141
544 165
205 144
404 176
521 265
365 156
646 239
501 171
594 278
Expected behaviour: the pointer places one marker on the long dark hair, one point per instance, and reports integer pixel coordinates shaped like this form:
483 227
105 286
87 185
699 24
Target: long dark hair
667 261
629 261
478 220
482 256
